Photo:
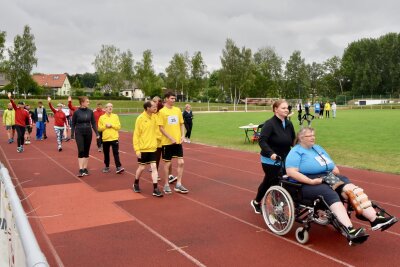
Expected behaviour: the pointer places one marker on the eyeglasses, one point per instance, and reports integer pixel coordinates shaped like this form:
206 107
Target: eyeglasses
311 135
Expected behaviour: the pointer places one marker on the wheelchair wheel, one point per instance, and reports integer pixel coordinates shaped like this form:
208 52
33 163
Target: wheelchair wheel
278 210
302 235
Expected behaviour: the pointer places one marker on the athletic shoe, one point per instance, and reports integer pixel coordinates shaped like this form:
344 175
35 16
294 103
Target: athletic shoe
355 233
106 170
59 148
10 141
172 179
158 178
19 149
119 169
157 193
81 173
66 139
136 188
45 137
181 189
26 142
22 148
85 172
256 206
167 189
383 223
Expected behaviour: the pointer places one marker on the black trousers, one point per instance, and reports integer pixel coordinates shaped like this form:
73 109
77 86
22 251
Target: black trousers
100 140
20 134
83 141
115 149
270 179
188 126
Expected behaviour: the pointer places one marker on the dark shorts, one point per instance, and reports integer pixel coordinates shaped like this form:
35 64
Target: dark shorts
311 192
9 127
147 158
172 151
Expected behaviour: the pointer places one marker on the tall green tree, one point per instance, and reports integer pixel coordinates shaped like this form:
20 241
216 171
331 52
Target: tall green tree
268 73
316 75
198 70
178 72
107 65
126 67
146 77
297 82
390 63
22 58
334 77
2 46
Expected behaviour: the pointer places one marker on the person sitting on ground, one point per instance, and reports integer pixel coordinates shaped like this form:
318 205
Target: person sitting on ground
307 163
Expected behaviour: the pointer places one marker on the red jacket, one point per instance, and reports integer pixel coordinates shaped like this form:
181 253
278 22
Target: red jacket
59 116
21 115
97 113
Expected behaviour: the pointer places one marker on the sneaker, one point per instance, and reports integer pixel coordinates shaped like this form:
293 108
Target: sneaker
12 140
22 148
382 223
354 234
157 193
119 170
66 139
136 188
256 206
26 142
172 179
81 173
9 141
158 178
59 148
106 170
85 172
45 137
181 189
19 149
167 189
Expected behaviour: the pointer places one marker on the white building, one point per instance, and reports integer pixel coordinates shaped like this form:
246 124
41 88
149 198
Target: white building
59 83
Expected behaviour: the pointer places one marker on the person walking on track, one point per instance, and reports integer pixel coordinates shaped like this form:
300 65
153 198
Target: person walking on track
60 120
81 130
21 116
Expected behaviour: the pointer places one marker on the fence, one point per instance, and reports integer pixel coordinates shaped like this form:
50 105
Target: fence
18 245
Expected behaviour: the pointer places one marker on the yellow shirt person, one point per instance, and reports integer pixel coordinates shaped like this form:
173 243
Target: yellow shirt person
145 134
109 134
171 119
327 106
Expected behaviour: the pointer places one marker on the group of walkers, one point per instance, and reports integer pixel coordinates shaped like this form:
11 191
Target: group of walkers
319 109
159 133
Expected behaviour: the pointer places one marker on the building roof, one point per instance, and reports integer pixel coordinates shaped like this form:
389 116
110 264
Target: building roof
50 80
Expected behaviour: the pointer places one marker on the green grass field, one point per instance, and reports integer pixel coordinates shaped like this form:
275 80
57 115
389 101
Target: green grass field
367 139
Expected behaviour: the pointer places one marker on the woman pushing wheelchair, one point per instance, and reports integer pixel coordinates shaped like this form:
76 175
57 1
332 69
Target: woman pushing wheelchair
310 164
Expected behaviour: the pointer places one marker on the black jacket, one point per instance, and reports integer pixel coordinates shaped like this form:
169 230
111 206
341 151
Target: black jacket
276 139
35 116
83 121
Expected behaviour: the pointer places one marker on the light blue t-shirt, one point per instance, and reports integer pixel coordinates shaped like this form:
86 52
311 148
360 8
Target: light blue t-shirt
317 107
309 160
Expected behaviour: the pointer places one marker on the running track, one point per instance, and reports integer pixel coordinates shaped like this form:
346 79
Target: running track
99 221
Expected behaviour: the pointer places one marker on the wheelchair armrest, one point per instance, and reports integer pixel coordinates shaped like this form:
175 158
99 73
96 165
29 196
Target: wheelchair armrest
294 189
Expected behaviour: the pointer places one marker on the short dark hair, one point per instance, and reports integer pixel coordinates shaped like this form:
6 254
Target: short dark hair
168 94
40 103
147 104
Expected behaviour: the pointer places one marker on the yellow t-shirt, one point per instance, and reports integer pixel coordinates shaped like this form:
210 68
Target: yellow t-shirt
171 119
144 136
327 106
109 134
158 132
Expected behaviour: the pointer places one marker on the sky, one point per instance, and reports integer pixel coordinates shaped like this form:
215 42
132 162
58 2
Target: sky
69 34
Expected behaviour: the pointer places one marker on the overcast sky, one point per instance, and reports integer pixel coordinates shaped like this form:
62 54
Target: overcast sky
68 34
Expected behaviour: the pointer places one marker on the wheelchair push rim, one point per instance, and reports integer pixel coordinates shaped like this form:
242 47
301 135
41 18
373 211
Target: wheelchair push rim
278 210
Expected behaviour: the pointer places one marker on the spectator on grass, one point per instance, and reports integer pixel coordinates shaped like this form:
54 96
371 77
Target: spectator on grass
60 120
109 125
276 138
172 127
317 109
299 111
21 115
290 112
9 122
307 163
188 121
321 112
40 119
97 113
145 145
81 128
333 110
327 109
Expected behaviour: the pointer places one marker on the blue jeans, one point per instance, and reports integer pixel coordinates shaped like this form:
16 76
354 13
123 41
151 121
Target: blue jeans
39 129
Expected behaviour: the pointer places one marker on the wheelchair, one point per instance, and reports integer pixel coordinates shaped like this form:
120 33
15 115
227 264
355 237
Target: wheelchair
283 205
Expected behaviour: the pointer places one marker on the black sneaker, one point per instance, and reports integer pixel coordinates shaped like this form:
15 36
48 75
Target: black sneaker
256 206
106 170
80 174
157 193
382 223
119 170
172 179
136 188
85 172
356 236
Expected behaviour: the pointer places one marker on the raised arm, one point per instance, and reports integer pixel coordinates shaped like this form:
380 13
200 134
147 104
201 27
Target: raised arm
12 101
51 106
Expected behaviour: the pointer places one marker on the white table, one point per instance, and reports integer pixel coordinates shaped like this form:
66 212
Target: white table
248 128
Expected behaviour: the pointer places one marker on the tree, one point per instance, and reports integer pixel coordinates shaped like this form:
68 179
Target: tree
268 73
126 67
21 61
316 74
178 72
296 77
198 70
334 75
148 81
2 42
107 64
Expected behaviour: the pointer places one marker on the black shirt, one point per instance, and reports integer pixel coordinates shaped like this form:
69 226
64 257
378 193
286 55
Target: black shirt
83 121
187 116
274 139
